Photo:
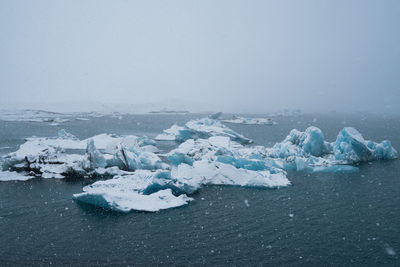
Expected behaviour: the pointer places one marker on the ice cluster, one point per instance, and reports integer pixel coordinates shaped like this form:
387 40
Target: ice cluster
139 177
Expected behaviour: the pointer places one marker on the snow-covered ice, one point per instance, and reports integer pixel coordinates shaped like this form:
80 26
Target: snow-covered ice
257 121
350 146
201 129
14 176
47 156
131 192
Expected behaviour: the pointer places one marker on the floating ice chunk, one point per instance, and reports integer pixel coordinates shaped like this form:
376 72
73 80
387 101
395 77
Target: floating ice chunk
64 140
150 148
350 146
307 151
103 141
126 200
31 150
128 193
65 135
82 119
191 150
218 160
133 158
309 142
250 164
14 176
383 150
257 121
203 172
109 172
171 133
389 250
111 145
313 142
201 129
32 116
215 116
95 158
47 157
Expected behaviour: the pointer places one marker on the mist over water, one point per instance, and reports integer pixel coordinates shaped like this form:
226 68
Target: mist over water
217 55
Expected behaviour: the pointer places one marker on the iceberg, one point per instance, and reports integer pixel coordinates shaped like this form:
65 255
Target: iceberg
133 157
47 157
215 116
310 142
351 147
46 161
219 160
256 121
131 192
201 129
95 158
103 141
308 151
191 178
30 115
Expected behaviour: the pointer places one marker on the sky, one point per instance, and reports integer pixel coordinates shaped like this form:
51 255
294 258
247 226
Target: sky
251 56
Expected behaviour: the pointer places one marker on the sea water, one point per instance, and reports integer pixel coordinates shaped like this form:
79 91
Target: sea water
321 219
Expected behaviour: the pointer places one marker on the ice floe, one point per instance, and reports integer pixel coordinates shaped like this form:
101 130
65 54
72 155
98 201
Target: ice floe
133 192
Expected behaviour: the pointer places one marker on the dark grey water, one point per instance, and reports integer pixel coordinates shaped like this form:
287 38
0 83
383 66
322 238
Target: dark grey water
322 219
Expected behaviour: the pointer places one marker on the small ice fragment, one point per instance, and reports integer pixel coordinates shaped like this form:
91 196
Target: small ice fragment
389 250
291 215
246 202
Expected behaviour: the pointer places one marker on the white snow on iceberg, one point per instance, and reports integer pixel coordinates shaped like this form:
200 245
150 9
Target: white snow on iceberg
256 121
351 147
14 176
191 178
126 193
47 157
201 129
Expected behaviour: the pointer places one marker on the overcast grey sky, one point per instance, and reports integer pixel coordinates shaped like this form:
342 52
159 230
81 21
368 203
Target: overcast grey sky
253 55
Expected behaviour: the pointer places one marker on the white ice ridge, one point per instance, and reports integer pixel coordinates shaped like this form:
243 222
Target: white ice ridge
257 121
201 129
142 181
